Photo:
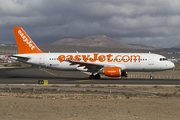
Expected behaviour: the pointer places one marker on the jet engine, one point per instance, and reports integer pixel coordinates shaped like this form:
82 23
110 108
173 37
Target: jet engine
113 72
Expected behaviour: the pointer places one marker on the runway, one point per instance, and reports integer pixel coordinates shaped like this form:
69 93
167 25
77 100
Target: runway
33 75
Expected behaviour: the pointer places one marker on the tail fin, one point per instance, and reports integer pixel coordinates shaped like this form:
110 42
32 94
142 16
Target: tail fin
24 43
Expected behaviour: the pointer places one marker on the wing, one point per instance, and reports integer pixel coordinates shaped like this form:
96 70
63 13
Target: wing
93 67
86 65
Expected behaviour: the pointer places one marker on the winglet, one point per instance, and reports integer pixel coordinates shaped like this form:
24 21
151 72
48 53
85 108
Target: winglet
24 43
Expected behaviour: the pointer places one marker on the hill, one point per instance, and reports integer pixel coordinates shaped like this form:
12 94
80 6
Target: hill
141 46
74 48
93 41
177 46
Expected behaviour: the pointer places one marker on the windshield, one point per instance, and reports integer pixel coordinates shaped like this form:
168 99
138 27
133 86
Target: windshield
163 59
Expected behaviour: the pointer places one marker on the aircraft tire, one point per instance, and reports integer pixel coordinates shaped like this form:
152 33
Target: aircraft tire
97 76
91 77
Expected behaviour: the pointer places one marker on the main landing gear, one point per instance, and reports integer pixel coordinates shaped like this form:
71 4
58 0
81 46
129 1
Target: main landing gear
97 76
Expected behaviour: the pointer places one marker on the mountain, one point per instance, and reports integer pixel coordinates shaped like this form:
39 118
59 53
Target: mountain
93 41
177 46
141 46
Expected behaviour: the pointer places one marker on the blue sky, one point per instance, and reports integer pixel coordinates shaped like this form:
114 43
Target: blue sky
149 22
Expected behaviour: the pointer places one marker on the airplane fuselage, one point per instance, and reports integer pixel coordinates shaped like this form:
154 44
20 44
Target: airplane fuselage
127 61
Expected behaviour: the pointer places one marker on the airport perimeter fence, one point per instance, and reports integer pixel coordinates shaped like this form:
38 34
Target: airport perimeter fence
57 89
7 61
74 89
154 76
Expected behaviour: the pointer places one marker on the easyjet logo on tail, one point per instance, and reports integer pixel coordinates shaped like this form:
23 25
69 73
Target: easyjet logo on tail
100 58
27 41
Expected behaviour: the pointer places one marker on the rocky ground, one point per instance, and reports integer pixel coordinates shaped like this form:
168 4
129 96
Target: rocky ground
163 104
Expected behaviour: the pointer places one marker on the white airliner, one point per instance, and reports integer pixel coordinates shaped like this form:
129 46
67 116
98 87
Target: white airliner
109 64
4 57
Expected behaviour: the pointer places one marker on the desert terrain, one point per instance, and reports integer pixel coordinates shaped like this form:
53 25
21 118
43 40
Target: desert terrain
161 103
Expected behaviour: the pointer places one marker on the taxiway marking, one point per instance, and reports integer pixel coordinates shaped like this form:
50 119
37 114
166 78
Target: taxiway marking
84 80
49 72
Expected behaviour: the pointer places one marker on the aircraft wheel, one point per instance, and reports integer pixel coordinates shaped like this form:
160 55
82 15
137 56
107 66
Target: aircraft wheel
91 77
97 76
151 77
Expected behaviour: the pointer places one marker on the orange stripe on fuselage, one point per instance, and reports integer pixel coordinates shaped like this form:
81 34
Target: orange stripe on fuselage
101 58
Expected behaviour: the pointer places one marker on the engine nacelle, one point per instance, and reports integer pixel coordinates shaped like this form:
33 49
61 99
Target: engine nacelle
113 72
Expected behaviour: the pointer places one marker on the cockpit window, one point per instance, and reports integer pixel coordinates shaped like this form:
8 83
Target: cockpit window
163 59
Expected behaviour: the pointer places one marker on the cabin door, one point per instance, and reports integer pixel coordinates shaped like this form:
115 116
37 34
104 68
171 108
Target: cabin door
151 60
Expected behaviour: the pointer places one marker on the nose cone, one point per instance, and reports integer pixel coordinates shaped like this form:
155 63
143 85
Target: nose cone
171 65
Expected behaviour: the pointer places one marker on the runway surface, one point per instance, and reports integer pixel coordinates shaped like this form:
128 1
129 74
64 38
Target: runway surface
32 75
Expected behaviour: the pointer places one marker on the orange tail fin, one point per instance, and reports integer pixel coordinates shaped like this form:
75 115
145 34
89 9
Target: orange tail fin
24 43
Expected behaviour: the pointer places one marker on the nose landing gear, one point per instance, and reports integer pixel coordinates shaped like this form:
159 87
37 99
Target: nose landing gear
151 77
